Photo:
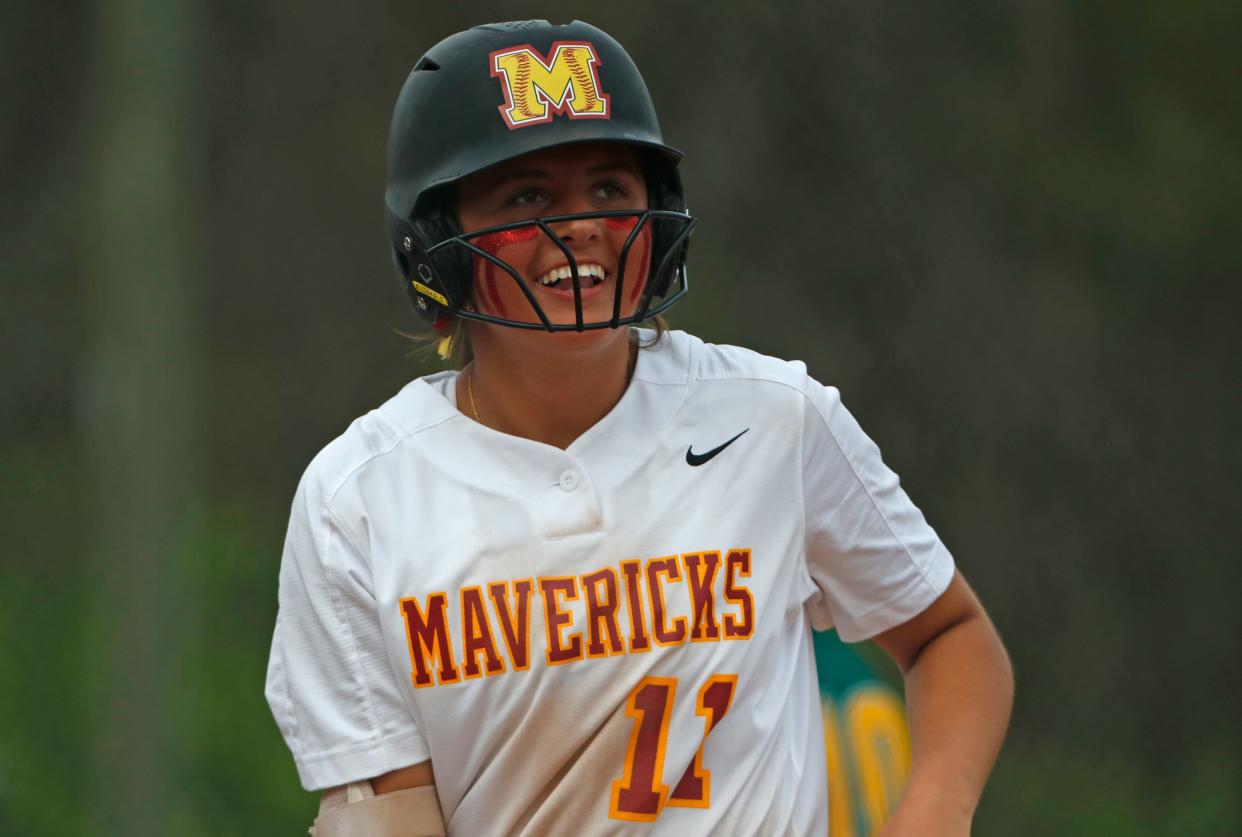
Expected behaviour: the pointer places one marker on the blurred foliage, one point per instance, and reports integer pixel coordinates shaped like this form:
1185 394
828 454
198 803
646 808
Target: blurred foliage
1038 791
1005 230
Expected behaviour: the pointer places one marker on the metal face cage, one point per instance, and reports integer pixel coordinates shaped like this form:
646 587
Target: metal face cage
667 278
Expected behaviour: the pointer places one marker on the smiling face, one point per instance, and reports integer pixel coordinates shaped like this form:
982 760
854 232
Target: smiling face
559 181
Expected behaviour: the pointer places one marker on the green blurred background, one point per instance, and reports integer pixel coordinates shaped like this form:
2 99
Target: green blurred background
1008 231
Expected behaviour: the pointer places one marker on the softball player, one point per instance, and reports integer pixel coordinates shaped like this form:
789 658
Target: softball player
569 589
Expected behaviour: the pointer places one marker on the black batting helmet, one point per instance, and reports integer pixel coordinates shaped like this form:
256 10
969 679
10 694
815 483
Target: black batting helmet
490 94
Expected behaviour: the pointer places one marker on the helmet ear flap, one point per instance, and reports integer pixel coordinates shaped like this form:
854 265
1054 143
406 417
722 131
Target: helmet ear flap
417 271
664 192
437 279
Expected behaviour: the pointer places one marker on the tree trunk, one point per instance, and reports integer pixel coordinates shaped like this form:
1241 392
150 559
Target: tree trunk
140 391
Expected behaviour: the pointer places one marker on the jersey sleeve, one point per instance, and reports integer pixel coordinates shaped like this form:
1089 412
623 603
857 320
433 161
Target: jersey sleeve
329 682
873 560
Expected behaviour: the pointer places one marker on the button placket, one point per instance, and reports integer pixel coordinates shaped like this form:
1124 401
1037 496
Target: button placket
569 504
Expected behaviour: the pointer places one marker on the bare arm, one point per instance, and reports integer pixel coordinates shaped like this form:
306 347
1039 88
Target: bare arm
400 803
414 776
959 691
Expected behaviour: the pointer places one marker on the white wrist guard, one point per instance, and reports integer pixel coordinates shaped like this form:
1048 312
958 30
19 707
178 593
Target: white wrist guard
355 811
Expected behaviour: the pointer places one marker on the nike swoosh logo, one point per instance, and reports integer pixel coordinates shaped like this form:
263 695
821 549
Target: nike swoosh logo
693 458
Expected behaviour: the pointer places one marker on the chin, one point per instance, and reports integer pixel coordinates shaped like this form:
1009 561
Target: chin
596 337
524 341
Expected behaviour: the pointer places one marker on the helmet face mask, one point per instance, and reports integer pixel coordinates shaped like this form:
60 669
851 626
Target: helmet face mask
493 81
670 288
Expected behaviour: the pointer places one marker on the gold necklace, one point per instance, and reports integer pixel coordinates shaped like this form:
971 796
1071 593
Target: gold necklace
474 408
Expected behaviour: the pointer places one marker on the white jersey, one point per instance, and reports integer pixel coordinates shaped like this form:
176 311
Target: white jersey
608 639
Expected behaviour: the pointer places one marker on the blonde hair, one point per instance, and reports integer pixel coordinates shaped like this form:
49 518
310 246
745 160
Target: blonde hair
453 345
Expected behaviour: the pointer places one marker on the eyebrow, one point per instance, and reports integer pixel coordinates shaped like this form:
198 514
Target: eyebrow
522 174
543 174
603 168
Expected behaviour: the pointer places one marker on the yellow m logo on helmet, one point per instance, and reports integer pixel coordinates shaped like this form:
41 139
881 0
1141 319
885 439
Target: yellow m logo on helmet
535 89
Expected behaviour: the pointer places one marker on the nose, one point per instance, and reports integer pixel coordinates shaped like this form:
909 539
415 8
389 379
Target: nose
579 230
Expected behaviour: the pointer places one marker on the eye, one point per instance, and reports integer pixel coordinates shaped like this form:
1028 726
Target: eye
527 197
612 190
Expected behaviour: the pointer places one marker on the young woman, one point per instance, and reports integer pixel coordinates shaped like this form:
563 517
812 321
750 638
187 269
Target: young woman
569 588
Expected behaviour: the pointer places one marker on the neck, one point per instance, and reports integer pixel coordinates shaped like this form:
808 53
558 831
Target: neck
550 388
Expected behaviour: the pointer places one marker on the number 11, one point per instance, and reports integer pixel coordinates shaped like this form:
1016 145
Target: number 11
640 794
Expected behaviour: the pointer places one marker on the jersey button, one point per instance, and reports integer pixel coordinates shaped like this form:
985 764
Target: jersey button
568 480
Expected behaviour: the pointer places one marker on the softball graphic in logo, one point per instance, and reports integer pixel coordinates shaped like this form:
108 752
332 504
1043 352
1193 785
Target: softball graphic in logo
535 89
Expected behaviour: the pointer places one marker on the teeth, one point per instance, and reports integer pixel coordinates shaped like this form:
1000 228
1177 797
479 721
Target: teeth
585 271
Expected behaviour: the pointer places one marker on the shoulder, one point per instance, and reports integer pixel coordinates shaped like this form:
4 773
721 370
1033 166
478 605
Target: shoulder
717 363
371 439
